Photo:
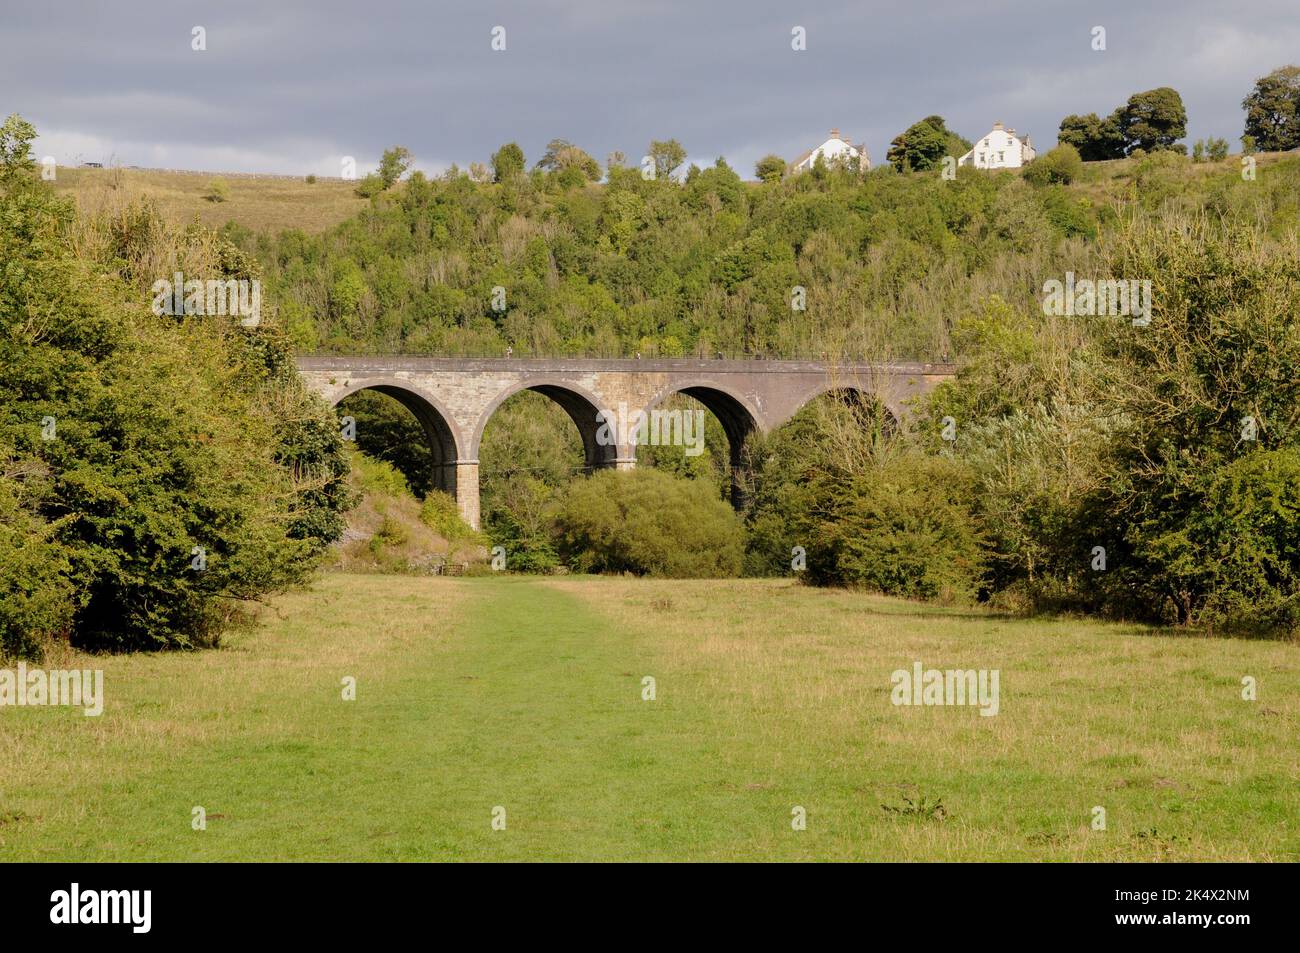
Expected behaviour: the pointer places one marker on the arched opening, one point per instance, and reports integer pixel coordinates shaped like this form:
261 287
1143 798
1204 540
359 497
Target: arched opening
404 428
735 418
865 409
531 443
797 466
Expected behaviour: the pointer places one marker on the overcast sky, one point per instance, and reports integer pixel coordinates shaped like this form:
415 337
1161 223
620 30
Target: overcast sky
292 87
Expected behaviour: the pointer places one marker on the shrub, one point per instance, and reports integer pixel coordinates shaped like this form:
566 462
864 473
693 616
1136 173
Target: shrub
311 180
370 186
648 523
36 593
1061 165
440 513
218 191
1249 528
902 529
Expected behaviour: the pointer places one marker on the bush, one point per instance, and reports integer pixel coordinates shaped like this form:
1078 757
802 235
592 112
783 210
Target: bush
902 529
1249 528
311 180
1061 165
370 186
440 513
218 190
36 593
648 523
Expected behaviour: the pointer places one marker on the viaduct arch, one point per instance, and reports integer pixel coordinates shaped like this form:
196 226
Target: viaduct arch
453 398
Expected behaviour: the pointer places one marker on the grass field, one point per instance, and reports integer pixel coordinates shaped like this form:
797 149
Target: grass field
527 694
261 203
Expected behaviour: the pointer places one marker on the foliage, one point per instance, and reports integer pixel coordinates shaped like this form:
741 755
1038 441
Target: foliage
167 468
393 165
924 144
440 512
1150 121
1154 120
1059 166
507 163
649 523
1273 111
570 165
770 168
903 528
668 155
218 190
1093 137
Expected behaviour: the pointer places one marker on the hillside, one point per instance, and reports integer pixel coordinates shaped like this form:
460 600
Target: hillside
258 203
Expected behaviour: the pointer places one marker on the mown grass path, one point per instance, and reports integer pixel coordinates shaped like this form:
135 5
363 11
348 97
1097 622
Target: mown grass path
526 694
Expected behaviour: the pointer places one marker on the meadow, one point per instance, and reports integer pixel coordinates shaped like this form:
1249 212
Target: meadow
261 203
527 694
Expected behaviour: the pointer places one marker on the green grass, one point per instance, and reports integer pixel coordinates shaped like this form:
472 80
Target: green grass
526 693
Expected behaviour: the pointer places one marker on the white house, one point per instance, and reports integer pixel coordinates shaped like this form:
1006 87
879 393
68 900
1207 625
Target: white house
999 149
834 149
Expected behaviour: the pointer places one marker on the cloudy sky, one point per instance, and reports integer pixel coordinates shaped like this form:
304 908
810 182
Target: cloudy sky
292 87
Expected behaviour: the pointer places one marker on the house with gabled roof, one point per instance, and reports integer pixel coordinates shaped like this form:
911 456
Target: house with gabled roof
833 150
999 148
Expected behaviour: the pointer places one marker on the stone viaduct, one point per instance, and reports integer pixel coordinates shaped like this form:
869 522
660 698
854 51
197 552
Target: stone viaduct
453 398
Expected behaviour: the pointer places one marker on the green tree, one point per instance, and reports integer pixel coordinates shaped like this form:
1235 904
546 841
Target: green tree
668 155
562 156
924 144
393 165
770 168
1154 120
507 162
170 467
1094 138
1273 110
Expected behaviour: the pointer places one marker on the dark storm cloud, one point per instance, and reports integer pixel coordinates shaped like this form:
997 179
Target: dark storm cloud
291 87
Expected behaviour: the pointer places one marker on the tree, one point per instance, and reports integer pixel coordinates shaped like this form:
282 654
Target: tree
1094 138
1273 110
770 168
507 162
16 137
563 157
1154 120
160 468
1217 149
668 155
924 144
393 165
